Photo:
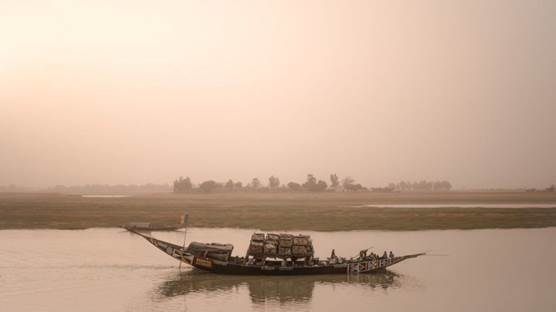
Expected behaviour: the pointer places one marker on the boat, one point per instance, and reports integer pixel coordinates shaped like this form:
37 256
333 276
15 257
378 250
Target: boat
147 226
217 258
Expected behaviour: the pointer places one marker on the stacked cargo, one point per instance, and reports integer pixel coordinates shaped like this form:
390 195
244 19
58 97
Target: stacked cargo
256 247
302 246
285 246
282 246
271 245
212 250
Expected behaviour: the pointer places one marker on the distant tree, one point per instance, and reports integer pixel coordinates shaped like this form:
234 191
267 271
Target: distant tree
313 185
334 181
441 186
347 182
355 187
208 186
294 186
385 189
273 182
404 186
552 188
321 186
255 183
311 180
182 185
230 184
422 186
349 185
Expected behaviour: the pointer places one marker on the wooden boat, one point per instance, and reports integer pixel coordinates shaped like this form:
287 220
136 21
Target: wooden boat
217 258
146 226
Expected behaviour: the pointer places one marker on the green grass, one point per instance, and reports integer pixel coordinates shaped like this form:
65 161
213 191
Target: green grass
277 211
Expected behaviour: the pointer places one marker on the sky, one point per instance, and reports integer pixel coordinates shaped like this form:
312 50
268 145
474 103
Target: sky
121 92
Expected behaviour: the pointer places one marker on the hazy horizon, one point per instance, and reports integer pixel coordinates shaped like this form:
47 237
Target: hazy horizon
133 92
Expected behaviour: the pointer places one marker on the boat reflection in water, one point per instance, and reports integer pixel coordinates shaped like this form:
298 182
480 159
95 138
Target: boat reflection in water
297 289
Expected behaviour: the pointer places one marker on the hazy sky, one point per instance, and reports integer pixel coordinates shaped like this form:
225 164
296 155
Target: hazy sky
122 91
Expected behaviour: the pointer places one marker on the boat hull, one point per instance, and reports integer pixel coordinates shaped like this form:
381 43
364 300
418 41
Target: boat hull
352 267
233 269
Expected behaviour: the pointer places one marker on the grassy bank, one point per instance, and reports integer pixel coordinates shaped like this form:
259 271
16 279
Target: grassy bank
282 211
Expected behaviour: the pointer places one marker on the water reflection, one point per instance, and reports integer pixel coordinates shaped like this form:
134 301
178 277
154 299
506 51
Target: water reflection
283 289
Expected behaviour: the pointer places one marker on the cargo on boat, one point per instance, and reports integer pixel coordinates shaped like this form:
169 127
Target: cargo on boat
283 246
273 254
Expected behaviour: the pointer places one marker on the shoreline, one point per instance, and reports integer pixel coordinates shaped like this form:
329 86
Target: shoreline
282 211
291 231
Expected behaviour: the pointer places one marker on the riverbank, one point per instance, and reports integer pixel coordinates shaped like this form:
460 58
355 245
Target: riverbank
280 211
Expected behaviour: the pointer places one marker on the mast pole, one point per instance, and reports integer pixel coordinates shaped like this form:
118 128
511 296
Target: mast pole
185 220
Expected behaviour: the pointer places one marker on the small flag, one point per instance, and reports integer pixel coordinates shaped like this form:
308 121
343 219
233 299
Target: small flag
183 218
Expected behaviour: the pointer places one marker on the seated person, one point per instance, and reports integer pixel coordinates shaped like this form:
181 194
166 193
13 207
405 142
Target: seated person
363 254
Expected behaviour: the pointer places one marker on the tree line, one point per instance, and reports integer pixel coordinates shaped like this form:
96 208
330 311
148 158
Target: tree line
311 184
421 186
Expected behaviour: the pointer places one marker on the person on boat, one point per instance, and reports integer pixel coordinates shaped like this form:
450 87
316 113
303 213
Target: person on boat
363 254
384 255
391 254
333 257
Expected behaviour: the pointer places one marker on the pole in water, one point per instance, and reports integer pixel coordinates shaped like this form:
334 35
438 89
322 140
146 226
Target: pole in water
184 219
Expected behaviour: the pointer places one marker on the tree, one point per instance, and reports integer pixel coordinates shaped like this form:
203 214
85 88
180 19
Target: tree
441 186
310 183
311 180
294 186
422 186
208 186
347 182
313 185
349 185
255 183
182 185
334 181
355 187
321 186
238 185
273 182
404 186
229 184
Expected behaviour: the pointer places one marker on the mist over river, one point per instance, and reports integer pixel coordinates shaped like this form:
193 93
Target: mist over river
113 270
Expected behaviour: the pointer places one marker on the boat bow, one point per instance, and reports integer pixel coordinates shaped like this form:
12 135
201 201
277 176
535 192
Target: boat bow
173 250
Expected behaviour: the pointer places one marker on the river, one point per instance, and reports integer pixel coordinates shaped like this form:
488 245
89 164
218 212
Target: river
113 270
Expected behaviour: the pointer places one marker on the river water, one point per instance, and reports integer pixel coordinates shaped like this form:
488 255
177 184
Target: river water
113 270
